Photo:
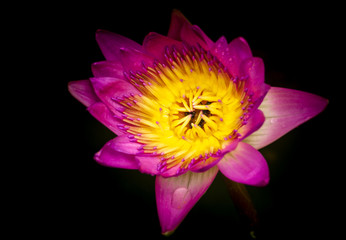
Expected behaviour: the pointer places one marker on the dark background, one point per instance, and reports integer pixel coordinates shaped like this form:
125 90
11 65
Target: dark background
66 194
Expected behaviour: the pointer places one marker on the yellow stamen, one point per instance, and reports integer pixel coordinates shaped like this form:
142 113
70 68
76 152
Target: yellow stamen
189 109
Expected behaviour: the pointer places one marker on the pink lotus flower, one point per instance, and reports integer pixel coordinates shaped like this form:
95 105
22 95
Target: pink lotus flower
184 107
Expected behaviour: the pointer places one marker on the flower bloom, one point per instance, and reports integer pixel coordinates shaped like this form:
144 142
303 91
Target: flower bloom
184 107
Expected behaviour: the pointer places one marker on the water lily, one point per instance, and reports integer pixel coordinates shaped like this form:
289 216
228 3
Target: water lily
184 107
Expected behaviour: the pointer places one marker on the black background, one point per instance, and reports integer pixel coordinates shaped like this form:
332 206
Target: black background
64 193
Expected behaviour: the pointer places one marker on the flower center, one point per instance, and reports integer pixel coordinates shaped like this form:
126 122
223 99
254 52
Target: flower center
189 110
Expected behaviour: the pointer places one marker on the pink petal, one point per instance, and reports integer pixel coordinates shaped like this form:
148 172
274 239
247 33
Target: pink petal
221 50
102 113
108 69
118 153
83 91
110 43
148 164
253 68
253 123
176 196
178 20
134 60
156 44
284 109
238 51
245 165
109 89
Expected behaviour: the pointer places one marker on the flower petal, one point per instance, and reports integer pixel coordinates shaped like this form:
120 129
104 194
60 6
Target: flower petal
110 43
253 68
253 123
102 113
245 165
148 164
178 20
176 196
134 60
238 50
119 153
156 44
192 34
108 69
284 109
109 89
83 91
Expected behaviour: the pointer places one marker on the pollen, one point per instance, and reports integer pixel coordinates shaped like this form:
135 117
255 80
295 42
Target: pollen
190 108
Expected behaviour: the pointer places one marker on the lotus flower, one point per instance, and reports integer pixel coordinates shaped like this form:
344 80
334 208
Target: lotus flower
184 107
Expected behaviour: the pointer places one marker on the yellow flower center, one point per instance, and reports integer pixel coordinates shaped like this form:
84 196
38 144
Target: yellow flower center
190 108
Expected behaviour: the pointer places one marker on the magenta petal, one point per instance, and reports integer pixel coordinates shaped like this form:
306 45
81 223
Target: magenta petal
245 165
109 90
156 44
101 112
284 109
175 196
108 69
118 153
83 91
253 123
110 43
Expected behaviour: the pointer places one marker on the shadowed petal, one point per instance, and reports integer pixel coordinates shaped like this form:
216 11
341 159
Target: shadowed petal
156 44
118 153
83 91
245 165
108 69
133 60
193 34
178 20
110 43
284 109
102 113
175 196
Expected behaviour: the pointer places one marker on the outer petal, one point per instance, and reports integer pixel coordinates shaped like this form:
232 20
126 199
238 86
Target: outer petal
284 109
245 165
102 113
109 89
110 43
108 69
83 91
176 196
118 153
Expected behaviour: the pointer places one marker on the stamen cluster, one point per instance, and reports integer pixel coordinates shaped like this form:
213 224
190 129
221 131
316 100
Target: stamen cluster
190 108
